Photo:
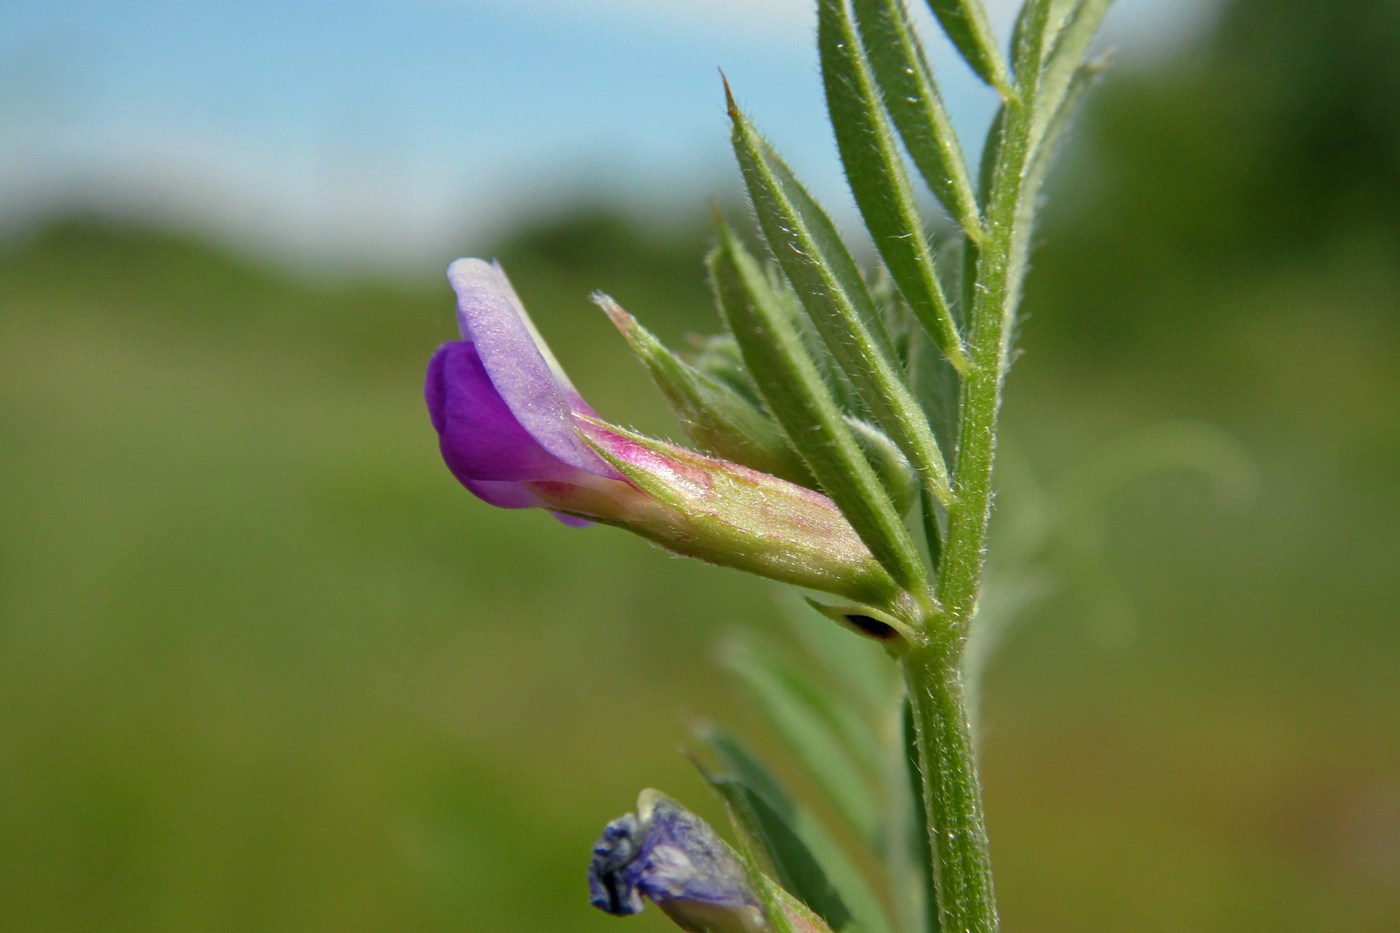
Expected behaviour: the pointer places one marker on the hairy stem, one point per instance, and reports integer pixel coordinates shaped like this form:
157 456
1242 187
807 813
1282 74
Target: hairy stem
933 673
952 795
994 296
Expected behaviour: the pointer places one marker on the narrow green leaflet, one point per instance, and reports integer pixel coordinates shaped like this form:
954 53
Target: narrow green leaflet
936 385
1008 152
826 278
933 531
888 461
1052 39
1028 44
718 358
831 741
786 375
1040 21
894 310
785 303
1064 61
787 913
841 389
1079 85
915 106
862 671
797 870
991 152
1040 160
875 169
772 897
965 22
810 250
806 860
717 418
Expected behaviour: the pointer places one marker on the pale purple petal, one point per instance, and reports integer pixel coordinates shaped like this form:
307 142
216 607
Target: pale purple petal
519 365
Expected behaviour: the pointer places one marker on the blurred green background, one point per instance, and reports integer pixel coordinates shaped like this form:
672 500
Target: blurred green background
263 666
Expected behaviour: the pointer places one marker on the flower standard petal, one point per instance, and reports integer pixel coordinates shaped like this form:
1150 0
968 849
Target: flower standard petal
503 408
518 363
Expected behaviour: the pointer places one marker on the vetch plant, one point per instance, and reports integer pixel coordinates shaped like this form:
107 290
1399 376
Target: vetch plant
846 425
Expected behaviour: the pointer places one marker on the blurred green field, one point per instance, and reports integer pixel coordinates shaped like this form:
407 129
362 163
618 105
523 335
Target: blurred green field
263 666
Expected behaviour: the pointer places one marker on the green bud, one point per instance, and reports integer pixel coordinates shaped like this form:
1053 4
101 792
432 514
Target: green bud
719 419
888 461
718 357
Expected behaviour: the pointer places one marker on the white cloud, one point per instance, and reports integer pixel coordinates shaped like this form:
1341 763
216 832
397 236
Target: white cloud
760 20
785 16
1150 23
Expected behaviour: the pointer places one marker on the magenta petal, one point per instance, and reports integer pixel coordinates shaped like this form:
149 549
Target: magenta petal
503 494
519 365
518 496
480 435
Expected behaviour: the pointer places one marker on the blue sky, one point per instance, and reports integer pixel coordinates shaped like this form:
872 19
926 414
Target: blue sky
406 131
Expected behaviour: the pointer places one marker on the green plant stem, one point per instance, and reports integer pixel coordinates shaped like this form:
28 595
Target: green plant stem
933 670
994 297
952 794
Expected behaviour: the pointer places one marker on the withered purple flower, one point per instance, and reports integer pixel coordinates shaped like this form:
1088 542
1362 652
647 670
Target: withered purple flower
670 856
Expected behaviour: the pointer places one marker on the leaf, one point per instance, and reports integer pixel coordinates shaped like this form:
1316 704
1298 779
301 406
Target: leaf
875 170
804 857
721 358
1028 44
717 418
847 399
911 97
888 461
936 385
1063 74
933 532
1043 153
863 670
965 22
826 278
833 743
991 151
938 388
788 914
1057 36
786 375
718 358
770 893
796 868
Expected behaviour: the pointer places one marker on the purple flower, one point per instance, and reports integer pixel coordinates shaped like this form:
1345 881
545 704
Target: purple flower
673 858
505 412
514 431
